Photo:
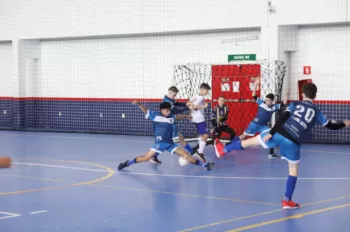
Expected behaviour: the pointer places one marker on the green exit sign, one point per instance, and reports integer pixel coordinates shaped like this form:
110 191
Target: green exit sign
241 57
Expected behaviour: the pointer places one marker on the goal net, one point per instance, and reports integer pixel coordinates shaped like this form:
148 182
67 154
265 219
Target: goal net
235 82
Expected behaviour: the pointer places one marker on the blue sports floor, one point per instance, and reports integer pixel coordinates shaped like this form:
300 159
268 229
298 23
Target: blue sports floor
68 182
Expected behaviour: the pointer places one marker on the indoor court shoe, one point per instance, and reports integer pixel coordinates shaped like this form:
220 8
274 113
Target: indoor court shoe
200 156
123 165
219 148
289 205
209 165
155 160
274 156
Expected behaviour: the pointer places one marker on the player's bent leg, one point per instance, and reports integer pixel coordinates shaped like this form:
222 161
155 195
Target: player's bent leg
181 152
242 136
221 149
139 159
202 140
184 144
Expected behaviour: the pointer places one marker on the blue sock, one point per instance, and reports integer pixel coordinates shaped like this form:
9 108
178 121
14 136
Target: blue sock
233 146
157 154
236 138
188 148
133 161
291 182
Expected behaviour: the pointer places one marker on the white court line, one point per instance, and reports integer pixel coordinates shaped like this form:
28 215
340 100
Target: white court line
143 141
186 176
234 177
9 215
37 212
72 137
61 166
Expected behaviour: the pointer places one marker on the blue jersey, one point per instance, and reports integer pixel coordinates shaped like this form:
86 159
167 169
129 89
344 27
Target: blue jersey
175 105
162 126
304 116
265 112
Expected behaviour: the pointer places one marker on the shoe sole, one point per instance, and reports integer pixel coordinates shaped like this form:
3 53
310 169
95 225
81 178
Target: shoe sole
154 162
289 208
274 157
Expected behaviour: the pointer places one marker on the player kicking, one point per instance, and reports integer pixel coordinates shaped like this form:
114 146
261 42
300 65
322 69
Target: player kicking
163 131
176 108
197 105
218 122
265 112
299 118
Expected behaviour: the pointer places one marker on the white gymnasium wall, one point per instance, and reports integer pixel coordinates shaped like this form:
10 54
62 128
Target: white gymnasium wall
326 49
292 12
65 18
6 69
129 67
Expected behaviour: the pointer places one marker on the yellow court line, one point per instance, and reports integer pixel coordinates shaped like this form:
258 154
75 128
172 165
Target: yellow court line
231 220
259 214
108 175
324 201
296 216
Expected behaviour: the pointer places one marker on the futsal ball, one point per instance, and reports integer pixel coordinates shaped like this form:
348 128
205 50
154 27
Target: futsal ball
183 162
5 162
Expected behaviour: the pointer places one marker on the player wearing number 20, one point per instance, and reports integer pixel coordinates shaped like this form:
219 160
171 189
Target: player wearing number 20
299 118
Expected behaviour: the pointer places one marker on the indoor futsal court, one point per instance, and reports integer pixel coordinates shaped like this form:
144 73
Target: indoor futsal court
174 116
75 187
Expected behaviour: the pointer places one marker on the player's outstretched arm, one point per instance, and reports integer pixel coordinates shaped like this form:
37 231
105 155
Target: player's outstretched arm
256 83
337 125
180 117
142 107
201 106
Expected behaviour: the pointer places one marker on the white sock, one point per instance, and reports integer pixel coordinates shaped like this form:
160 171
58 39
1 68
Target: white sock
201 146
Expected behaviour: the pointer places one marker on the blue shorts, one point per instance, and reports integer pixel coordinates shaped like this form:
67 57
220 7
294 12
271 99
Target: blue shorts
289 150
161 147
254 128
202 128
175 131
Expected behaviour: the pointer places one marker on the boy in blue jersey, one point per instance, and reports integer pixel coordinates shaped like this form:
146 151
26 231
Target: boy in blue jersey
265 112
176 108
163 133
299 118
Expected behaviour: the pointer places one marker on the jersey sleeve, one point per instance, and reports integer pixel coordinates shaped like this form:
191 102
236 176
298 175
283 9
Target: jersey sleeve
277 107
151 115
291 107
173 116
321 119
259 101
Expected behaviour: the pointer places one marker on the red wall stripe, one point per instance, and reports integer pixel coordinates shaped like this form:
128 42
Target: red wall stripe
326 102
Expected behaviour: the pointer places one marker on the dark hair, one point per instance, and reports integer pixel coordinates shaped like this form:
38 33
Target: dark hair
222 97
164 105
271 96
310 90
173 89
204 86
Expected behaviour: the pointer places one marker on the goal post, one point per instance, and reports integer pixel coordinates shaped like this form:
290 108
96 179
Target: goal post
235 82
